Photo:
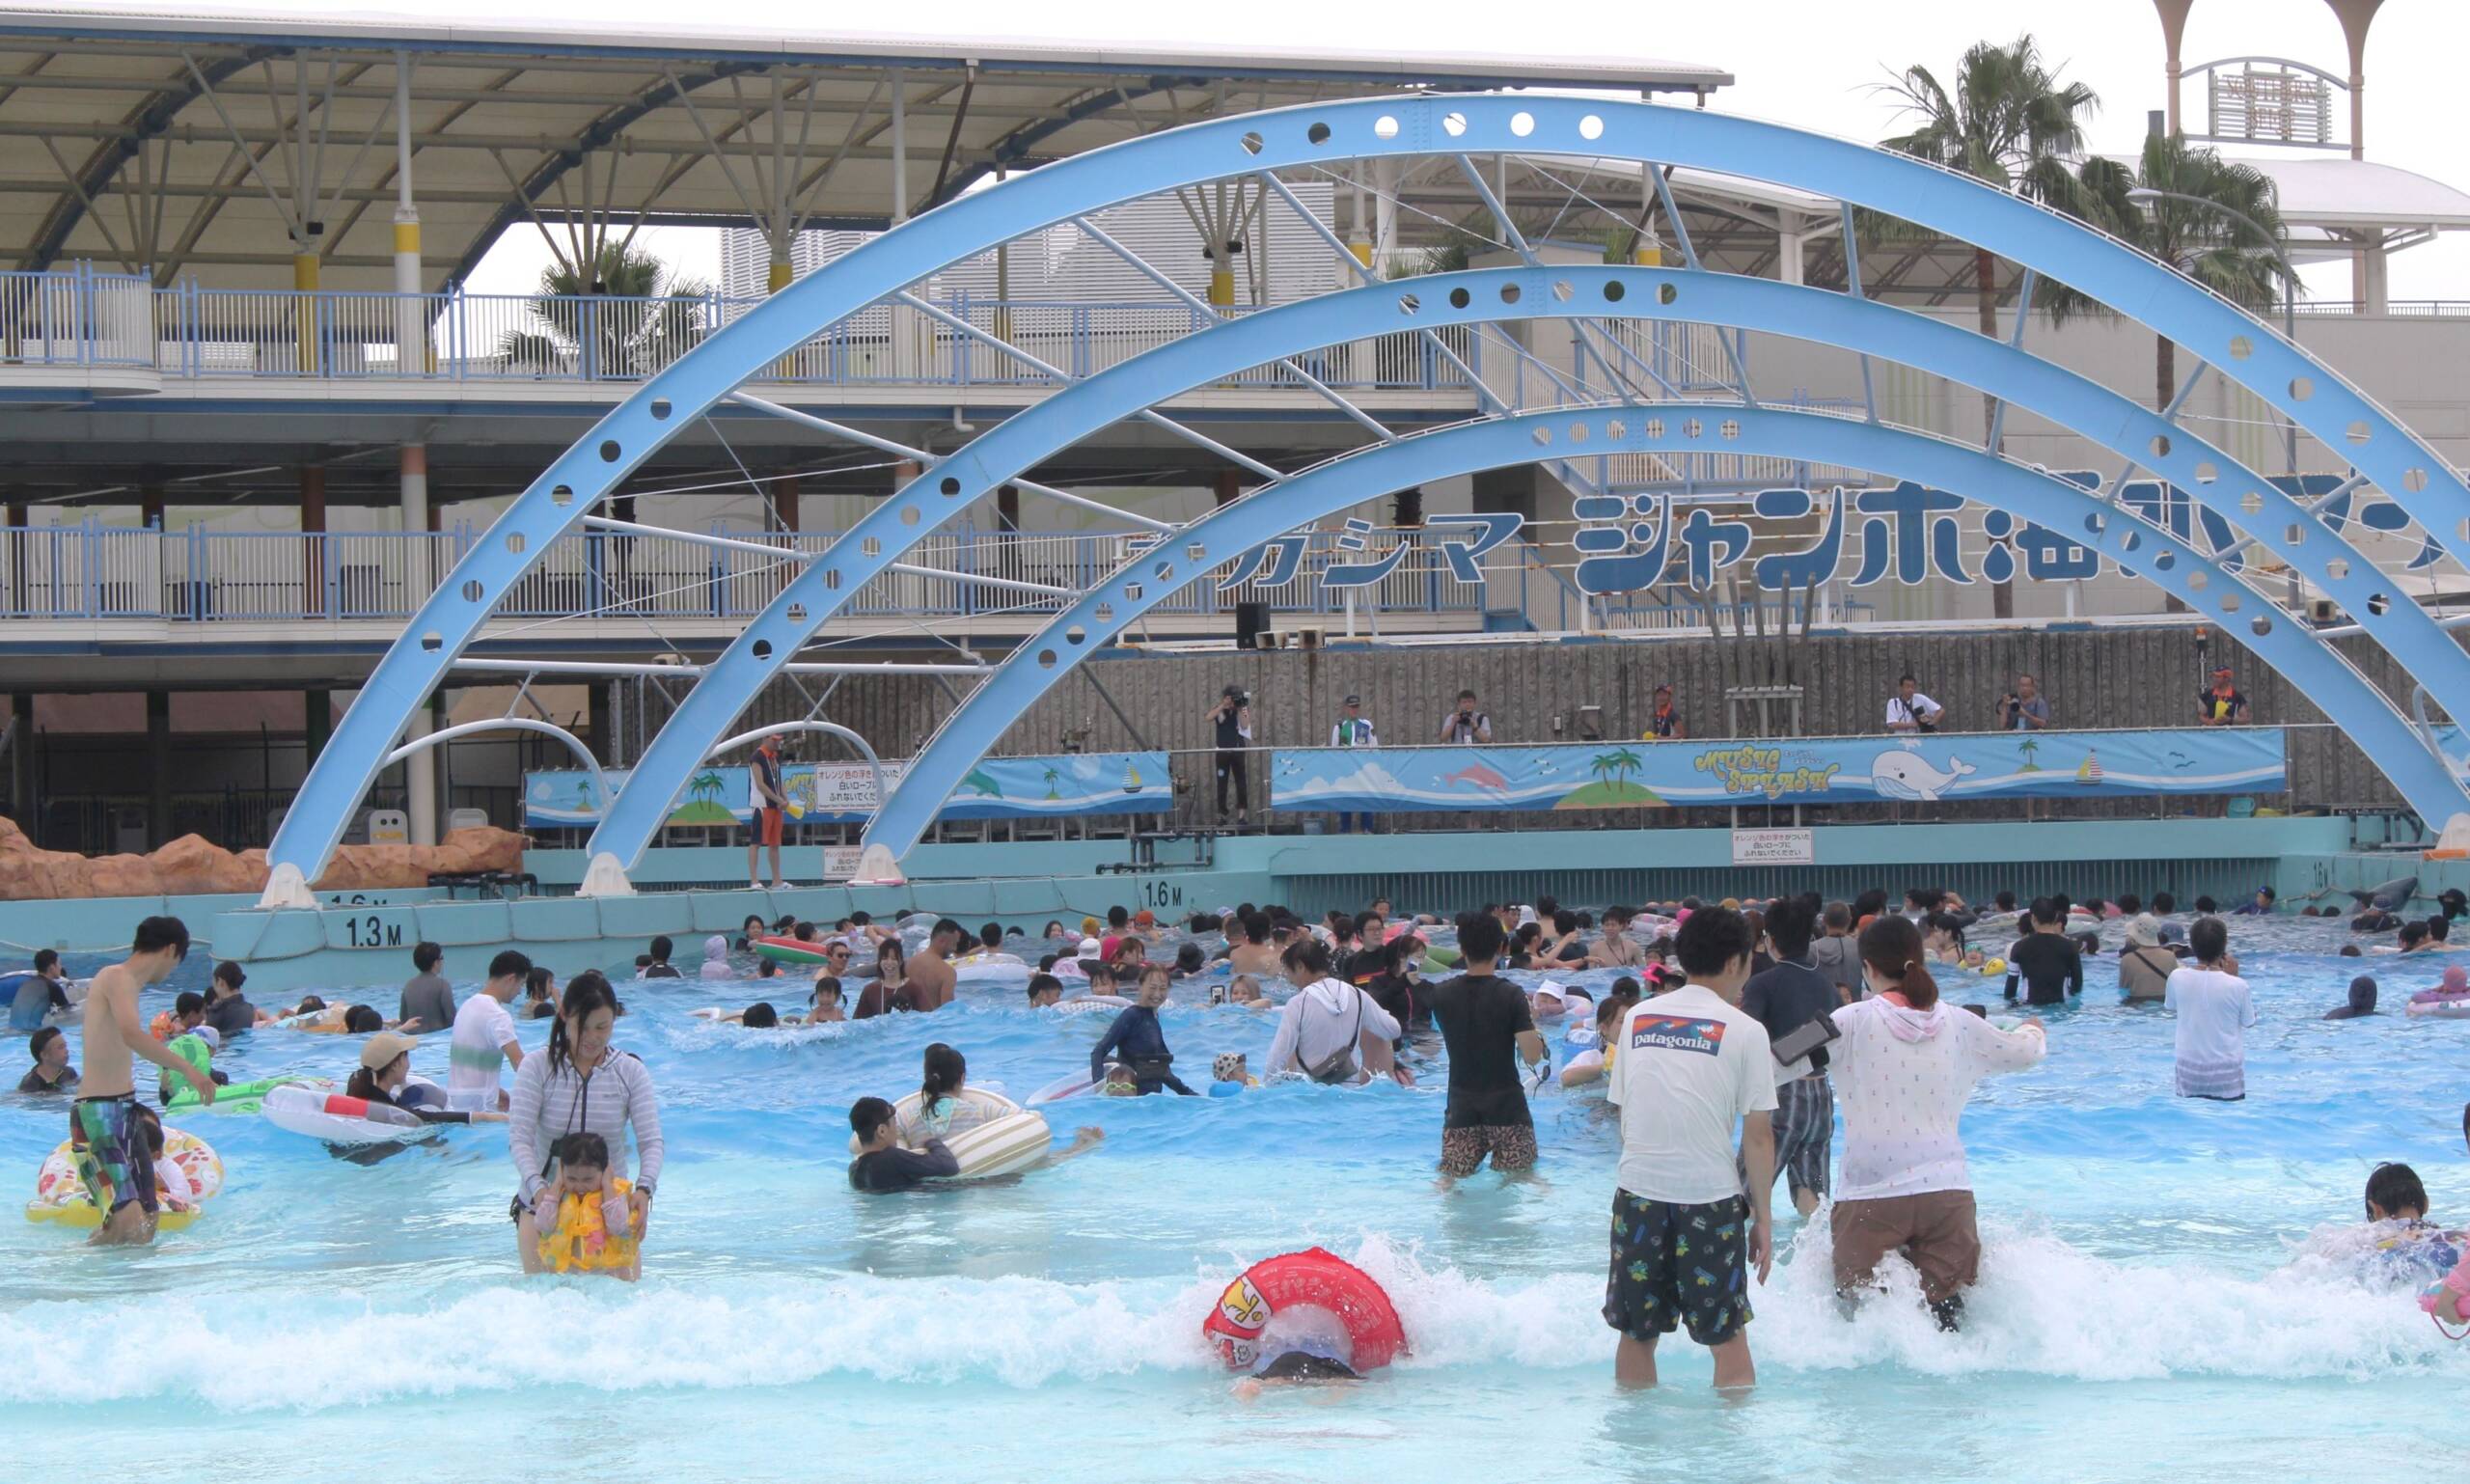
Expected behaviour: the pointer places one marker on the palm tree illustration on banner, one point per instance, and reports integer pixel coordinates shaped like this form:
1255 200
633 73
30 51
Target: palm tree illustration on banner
702 804
1611 788
1052 778
2029 748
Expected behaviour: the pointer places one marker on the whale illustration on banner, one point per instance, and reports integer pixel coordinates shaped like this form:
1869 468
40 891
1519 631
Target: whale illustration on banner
1902 775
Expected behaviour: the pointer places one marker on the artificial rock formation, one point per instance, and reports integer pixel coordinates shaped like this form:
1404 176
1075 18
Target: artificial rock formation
193 866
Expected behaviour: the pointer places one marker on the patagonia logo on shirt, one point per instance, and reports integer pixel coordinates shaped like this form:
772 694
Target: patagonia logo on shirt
1678 1032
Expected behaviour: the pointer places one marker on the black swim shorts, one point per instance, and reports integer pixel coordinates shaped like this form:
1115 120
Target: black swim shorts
1676 1265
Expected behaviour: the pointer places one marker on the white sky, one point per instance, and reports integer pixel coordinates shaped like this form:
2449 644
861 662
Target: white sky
1812 62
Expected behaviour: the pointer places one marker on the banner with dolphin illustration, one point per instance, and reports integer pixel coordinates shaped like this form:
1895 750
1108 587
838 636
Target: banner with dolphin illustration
1814 770
1073 785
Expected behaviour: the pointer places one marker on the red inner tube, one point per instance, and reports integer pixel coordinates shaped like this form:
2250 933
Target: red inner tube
1314 1278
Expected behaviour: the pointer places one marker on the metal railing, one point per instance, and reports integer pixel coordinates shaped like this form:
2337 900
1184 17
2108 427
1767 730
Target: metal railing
79 317
200 575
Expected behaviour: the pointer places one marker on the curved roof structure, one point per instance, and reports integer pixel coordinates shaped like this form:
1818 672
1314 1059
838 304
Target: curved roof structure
217 144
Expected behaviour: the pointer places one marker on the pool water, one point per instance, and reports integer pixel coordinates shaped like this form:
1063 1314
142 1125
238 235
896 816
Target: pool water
2156 1288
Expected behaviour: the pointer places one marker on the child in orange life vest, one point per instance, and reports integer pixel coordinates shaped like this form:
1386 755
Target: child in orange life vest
595 1225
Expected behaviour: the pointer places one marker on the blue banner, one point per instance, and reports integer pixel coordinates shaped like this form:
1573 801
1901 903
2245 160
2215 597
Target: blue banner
1818 770
1076 784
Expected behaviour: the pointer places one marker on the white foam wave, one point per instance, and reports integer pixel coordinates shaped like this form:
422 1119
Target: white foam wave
2043 1308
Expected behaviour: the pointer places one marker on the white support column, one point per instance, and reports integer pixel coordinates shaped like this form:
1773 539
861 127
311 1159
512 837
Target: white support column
411 311
907 329
420 778
420 770
2374 283
1788 257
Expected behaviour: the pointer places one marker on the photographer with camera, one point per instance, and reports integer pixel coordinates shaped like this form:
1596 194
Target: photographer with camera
2024 708
1909 711
1465 726
1232 717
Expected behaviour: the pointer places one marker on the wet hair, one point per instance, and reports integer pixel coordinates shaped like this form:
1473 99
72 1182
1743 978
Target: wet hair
362 1019
155 934
1710 939
824 984
949 925
584 1149
2413 933
2047 911
991 935
1041 983
41 1041
946 1070
1547 908
47 960
1117 917
662 947
1870 903
1479 937
767 970
425 956
511 963
2206 906
188 1003
307 1004
536 980
1949 924
752 925
2004 901
891 947
1625 987
1404 951
2440 928
1565 921
2351 950
1256 927
586 993
1364 920
1790 928
1189 958
2209 937
759 1016
1307 956
868 1116
2394 1188
230 973
803 932
362 1083
2164 903
1891 948
1096 971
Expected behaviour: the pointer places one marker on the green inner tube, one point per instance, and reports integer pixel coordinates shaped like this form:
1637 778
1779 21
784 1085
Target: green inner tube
1441 960
790 951
240 1097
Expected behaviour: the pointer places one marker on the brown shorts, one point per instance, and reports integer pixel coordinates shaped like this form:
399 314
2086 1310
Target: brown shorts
1512 1146
1935 1232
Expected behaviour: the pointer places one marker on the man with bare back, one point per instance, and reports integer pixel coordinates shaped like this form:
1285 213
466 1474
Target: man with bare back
113 1138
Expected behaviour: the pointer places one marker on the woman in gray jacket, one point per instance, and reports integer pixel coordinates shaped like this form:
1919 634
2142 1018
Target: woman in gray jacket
580 1085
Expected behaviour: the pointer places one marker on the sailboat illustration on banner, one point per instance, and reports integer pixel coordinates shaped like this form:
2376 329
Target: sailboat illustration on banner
2089 771
1131 776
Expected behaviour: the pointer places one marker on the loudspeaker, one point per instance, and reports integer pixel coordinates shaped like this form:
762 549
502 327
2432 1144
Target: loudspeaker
1307 639
1250 620
1268 639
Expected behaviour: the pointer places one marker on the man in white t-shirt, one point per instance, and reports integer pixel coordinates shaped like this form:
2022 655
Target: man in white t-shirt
1685 1235
1909 711
484 1038
2215 1009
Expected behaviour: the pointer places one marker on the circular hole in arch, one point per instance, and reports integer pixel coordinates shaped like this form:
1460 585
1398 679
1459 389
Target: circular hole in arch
2293 534
1692 427
1319 134
909 514
660 409
1453 123
563 494
515 542
1616 429
763 648
2197 582
1384 127
831 579
797 612
2356 432
2241 347
2161 444
2252 502
1728 429
1409 304
2414 480
432 642
1577 432
2260 625
2092 524
2165 561
1046 658
2207 473
609 450
2337 570
1562 290
1076 635
2301 387
1667 293
1164 570
1459 298
1522 124
1591 127
872 546
2230 602
1654 427
2377 603
1132 593
1251 142
1543 435
2133 542
1194 551
950 486
1510 294
472 590
1104 612
1615 290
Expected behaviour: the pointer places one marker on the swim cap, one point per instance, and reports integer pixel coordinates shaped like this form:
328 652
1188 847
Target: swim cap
1228 1067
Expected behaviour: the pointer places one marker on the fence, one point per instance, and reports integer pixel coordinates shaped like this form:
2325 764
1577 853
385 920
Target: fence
200 575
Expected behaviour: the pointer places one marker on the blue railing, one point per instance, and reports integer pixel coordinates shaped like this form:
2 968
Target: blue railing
80 319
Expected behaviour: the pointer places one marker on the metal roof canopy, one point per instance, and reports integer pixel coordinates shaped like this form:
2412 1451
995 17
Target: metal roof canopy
188 142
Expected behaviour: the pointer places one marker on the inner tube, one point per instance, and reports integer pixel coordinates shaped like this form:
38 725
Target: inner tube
1003 1146
789 951
990 968
61 1197
338 1119
239 1097
1311 1278
2441 1010
1073 1086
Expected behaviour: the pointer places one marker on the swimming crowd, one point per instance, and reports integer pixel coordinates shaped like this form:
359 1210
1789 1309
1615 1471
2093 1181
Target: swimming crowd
1735 1039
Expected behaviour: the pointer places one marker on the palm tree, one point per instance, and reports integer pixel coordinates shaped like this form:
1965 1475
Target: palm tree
705 785
2012 123
2029 750
1052 778
1602 767
630 319
1623 764
2208 243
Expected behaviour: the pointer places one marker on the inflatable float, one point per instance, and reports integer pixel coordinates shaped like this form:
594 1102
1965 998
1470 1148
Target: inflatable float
581 1240
1295 1284
987 1132
61 1197
239 1097
990 968
789 951
2443 1005
338 1119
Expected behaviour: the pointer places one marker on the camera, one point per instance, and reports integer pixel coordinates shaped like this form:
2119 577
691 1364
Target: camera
1238 695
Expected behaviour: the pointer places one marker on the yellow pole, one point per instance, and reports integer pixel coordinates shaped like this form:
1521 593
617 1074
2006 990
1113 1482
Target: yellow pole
304 311
1221 284
778 278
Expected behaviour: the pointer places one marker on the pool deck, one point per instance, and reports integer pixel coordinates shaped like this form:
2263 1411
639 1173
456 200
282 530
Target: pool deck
365 939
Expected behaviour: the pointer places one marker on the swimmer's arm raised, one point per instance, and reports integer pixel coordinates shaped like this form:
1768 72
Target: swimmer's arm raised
121 1006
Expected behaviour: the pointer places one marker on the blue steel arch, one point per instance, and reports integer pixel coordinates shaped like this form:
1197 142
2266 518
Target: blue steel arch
2240 346
1141 582
1018 444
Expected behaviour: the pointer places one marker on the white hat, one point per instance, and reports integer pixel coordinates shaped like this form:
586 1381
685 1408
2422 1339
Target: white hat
1553 989
1091 947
